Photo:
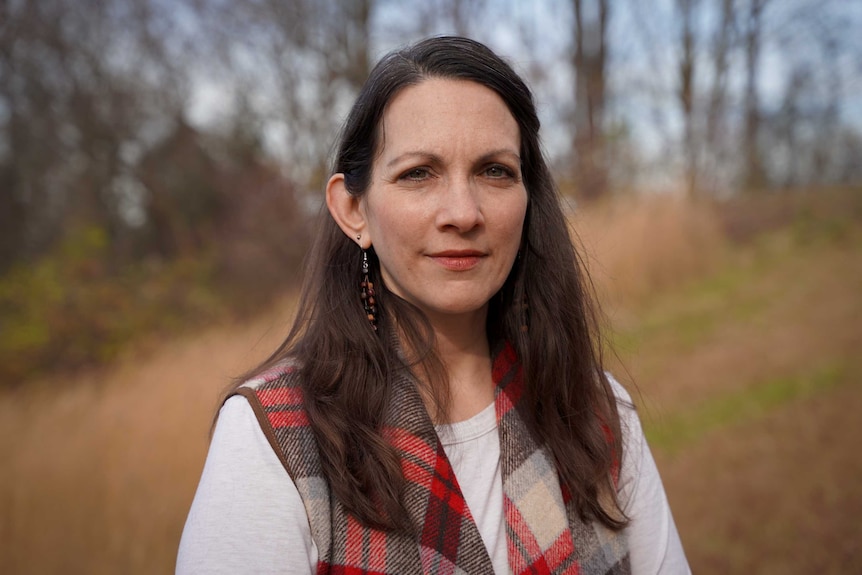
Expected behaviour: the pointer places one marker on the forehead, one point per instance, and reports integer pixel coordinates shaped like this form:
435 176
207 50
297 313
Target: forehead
438 113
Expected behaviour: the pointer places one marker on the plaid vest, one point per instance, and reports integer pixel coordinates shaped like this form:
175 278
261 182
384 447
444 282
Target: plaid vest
544 532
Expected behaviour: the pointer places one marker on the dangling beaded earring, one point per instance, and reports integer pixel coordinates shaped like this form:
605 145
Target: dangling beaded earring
367 291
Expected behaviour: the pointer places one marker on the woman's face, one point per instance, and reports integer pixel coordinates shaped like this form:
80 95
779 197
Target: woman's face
446 204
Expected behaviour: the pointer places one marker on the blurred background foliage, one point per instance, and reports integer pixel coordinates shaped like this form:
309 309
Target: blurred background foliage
160 160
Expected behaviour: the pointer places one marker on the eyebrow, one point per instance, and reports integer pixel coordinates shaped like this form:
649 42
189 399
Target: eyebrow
418 154
434 158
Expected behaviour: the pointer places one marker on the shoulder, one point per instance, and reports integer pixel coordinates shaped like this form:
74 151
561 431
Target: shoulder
277 401
247 513
621 393
630 424
633 440
653 539
281 374
276 398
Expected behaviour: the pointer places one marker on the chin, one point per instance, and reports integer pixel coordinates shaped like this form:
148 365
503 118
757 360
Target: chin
460 308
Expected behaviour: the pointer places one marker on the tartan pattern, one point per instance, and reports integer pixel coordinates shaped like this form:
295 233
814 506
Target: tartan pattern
544 532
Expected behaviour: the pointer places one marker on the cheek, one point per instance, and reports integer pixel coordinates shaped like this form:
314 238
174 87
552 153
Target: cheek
515 219
393 235
388 230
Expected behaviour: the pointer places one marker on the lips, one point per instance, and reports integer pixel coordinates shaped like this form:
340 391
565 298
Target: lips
458 260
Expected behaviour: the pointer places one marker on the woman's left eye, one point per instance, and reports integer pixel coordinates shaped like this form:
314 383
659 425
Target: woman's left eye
498 171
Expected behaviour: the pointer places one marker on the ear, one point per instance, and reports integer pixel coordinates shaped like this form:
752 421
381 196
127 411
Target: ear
346 210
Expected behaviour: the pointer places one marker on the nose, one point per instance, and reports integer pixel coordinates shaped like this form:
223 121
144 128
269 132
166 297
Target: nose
460 206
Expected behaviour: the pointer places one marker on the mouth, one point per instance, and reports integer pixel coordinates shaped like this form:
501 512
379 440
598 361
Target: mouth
458 260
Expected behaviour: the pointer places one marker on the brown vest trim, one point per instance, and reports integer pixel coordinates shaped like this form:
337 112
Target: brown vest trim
265 426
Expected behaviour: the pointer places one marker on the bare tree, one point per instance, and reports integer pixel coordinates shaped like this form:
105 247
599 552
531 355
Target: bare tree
590 62
715 131
754 173
299 63
788 124
85 86
62 130
686 92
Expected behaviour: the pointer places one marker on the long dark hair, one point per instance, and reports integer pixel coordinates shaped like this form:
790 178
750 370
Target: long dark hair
345 367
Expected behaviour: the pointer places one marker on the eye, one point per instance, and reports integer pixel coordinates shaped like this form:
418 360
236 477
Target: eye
415 174
497 171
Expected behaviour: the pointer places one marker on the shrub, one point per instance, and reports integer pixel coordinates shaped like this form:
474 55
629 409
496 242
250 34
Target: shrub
69 309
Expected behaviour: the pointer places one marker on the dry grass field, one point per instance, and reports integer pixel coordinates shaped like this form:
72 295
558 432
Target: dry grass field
745 360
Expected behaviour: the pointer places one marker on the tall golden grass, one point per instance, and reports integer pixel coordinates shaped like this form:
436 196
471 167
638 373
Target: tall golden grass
638 245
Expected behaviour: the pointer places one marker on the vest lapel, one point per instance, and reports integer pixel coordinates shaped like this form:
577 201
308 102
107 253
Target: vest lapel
449 540
539 539
544 531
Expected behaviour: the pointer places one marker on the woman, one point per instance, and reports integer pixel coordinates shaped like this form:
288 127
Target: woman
439 405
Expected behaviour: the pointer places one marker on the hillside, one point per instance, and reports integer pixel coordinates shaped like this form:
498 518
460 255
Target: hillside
743 358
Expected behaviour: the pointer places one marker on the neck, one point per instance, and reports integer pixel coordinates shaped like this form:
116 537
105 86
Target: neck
462 345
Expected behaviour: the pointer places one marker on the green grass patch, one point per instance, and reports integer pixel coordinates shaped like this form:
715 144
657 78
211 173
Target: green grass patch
678 430
689 315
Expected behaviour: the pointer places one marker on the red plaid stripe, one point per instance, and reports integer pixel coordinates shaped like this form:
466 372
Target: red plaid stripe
411 446
281 397
561 552
283 406
353 549
324 568
509 377
290 418
525 554
446 511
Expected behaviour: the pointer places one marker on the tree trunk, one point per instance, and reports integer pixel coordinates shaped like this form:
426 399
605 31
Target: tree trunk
686 94
591 170
754 173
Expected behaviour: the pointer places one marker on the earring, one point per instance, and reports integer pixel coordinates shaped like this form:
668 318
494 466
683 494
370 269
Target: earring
367 292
